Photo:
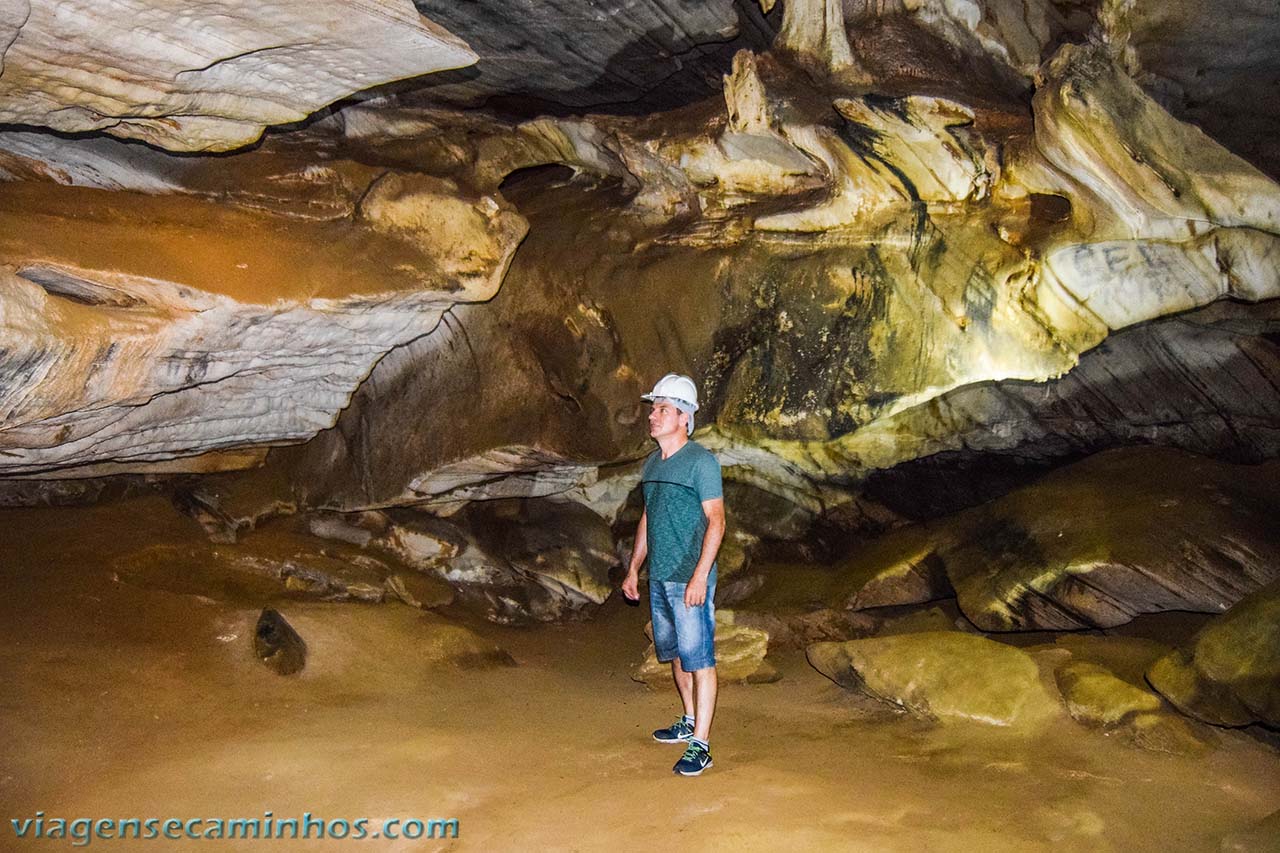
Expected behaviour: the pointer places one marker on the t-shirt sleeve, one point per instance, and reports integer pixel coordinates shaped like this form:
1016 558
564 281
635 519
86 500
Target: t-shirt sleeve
706 479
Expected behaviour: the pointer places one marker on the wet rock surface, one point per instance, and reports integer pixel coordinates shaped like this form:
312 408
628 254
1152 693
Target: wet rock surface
942 675
1096 696
1229 673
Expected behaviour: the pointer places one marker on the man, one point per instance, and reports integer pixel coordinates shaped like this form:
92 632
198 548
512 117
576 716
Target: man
680 532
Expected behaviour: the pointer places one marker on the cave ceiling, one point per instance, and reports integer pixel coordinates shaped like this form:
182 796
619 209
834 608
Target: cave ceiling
272 239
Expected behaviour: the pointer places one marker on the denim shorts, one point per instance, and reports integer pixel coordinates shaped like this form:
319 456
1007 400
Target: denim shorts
689 632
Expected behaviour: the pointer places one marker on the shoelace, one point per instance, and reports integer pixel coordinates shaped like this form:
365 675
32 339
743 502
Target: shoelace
693 752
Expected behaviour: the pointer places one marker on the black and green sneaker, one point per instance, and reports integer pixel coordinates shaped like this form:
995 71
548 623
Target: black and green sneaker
678 732
696 758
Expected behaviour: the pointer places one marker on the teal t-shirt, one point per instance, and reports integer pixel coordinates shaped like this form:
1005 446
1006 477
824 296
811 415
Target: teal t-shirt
674 490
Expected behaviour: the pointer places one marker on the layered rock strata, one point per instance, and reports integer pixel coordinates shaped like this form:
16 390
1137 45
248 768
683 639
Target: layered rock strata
204 79
1091 545
142 328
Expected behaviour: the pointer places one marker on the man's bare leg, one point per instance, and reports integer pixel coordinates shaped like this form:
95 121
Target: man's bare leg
684 685
705 687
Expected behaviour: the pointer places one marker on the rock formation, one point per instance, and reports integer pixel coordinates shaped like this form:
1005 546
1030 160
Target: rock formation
204 80
140 328
1229 675
1090 545
947 675
740 656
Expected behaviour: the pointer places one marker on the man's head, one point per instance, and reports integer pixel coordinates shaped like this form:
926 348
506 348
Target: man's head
674 399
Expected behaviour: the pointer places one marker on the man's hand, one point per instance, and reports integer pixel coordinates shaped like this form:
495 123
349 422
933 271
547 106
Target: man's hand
631 585
695 593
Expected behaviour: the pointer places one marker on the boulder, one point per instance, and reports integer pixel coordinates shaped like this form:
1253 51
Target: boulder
1094 544
1096 696
797 630
1229 673
1167 732
900 567
277 645
515 560
354 529
422 541
942 675
561 546
921 621
740 656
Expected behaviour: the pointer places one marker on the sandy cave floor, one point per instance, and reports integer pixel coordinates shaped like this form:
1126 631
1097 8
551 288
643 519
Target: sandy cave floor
125 702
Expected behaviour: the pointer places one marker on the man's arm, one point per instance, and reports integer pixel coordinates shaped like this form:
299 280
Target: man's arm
695 592
631 585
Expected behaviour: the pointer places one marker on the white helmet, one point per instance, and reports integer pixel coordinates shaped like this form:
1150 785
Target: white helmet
678 389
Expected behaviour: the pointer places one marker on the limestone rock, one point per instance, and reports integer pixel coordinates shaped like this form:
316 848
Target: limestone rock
269 321
505 472
750 157
926 140
798 630
947 676
468 238
1202 382
208 79
928 620
796 408
1229 674
1213 71
422 541
419 589
1015 34
656 56
740 656
862 264
563 547
277 645
340 528
1096 543
813 31
900 567
1094 695
515 561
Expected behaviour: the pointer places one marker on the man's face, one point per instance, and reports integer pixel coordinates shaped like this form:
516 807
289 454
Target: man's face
665 419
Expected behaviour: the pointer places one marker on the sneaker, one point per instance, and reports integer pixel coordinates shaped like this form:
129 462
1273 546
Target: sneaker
696 758
677 732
